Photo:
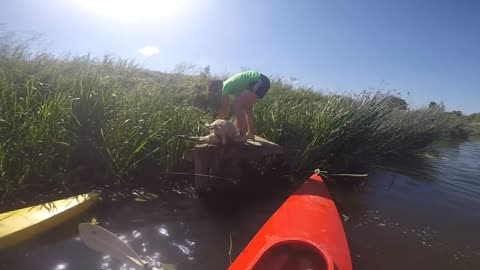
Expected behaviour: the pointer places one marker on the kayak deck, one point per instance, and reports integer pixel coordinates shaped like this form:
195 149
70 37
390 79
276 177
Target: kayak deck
304 233
22 224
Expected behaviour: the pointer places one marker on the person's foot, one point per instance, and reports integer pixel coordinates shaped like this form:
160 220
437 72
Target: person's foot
250 136
241 138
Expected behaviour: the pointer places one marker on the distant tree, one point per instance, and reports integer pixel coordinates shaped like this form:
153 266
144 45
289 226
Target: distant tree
205 76
183 67
458 113
437 106
398 103
206 72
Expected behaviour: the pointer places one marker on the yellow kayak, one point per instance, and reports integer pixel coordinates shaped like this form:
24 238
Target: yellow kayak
22 224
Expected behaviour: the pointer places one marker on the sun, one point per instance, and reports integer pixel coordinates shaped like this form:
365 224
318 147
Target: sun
135 10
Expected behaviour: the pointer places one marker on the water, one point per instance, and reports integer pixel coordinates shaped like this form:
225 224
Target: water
423 216
415 215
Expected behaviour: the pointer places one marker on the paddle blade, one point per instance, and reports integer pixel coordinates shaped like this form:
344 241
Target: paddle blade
103 241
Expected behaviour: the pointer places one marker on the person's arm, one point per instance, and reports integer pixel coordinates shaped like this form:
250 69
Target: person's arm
222 113
250 123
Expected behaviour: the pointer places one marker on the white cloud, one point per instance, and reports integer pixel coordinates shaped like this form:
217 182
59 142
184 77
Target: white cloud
149 50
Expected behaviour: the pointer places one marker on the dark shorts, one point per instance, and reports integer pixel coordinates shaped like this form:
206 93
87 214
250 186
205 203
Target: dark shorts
260 87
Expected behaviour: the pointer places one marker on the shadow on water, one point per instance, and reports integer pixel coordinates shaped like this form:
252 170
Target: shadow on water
422 214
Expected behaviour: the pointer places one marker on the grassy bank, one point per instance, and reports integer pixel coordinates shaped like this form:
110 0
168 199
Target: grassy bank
475 128
73 123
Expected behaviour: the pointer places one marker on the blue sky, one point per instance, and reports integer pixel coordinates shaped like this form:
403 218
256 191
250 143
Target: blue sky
428 48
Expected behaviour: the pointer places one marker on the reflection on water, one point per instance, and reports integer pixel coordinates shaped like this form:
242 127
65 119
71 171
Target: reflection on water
61 266
421 215
163 231
418 214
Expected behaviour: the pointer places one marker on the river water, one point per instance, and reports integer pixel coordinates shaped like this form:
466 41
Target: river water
418 214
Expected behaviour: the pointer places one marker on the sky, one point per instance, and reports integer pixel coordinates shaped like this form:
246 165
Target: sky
428 50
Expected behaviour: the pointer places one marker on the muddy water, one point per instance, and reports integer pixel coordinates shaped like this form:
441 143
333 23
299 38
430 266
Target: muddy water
415 215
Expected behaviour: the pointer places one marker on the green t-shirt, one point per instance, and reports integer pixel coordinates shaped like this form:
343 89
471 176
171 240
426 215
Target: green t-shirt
236 84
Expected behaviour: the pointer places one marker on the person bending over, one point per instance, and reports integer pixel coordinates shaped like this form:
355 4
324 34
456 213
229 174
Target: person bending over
244 89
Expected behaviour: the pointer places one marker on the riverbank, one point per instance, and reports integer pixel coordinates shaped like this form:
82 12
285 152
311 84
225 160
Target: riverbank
71 124
475 128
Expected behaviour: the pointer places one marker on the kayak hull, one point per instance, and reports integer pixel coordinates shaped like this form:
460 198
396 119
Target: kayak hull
304 233
19 225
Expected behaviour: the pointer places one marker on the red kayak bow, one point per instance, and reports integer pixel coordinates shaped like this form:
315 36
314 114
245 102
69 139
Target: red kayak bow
304 233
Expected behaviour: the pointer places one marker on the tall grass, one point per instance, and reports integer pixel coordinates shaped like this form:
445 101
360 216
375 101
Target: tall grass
345 132
71 121
77 122
474 128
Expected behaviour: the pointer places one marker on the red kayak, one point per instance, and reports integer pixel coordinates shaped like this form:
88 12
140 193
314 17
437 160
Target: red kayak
304 233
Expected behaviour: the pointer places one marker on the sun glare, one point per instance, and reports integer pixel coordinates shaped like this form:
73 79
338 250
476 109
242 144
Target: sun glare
135 10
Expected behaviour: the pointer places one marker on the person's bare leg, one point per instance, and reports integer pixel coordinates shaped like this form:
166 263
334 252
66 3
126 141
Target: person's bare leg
235 122
242 108
250 122
239 112
250 100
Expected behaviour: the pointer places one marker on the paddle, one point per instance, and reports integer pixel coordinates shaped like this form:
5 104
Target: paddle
325 174
103 241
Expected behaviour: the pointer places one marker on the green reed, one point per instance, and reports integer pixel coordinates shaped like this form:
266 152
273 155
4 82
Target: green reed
85 121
